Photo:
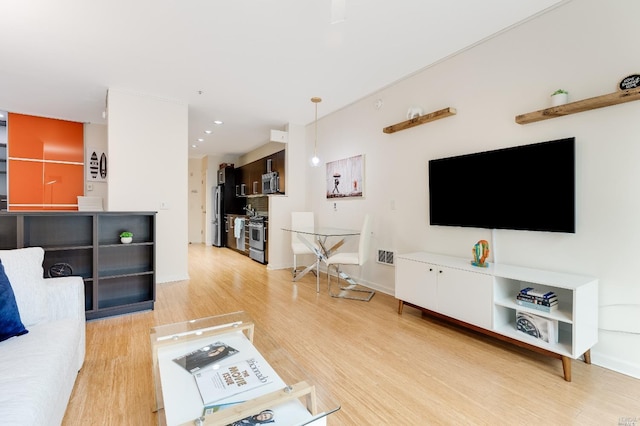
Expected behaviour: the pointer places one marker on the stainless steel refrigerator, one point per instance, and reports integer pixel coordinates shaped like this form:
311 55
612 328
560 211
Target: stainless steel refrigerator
224 201
218 216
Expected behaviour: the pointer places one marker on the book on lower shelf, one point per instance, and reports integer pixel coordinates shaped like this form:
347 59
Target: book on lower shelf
542 328
288 413
216 384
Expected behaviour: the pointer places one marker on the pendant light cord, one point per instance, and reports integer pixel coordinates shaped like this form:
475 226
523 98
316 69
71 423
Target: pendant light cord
315 159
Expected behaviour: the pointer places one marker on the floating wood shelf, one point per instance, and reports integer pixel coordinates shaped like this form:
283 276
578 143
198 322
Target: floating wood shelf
436 115
615 98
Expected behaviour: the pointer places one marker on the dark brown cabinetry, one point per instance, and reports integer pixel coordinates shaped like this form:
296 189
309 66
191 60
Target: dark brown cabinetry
118 278
251 174
232 241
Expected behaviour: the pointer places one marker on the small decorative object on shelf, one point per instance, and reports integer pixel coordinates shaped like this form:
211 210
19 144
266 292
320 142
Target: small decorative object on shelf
60 270
629 82
126 237
559 97
480 253
414 112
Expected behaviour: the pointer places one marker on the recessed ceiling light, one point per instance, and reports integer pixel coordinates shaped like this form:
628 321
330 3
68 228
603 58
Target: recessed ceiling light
218 122
208 132
200 140
194 146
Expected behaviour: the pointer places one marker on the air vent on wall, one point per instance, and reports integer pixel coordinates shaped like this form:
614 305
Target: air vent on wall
385 257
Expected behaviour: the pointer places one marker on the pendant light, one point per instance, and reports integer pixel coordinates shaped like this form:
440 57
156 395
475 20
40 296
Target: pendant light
315 161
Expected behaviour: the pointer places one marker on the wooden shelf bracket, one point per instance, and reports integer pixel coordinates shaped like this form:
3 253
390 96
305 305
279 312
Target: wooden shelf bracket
436 115
615 98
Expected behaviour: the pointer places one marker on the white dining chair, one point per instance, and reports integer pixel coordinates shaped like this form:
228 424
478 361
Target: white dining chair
352 290
301 220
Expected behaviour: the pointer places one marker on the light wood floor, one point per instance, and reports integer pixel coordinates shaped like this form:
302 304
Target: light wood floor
383 368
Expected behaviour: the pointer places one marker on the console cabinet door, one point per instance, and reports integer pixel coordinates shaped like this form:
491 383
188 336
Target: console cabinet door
416 283
466 296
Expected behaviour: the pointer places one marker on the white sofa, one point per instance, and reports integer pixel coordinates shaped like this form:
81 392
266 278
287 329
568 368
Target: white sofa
38 369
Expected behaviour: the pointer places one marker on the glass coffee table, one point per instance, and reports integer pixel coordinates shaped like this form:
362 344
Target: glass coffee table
222 369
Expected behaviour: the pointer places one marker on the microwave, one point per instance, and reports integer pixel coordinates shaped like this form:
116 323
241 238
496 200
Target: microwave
270 183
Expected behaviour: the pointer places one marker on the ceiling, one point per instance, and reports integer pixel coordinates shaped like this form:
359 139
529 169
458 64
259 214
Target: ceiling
253 64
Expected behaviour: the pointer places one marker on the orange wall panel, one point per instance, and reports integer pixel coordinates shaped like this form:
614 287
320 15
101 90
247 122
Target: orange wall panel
45 138
46 163
63 183
25 182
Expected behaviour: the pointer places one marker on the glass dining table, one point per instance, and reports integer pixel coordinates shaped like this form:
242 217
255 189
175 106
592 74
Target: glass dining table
327 241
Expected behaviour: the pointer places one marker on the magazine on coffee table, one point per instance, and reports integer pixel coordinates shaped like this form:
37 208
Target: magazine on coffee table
216 384
285 414
206 355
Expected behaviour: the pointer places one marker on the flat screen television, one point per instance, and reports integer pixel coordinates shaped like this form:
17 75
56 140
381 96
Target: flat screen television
529 187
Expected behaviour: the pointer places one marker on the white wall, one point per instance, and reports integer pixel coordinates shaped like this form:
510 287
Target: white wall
280 207
96 137
148 165
585 47
196 201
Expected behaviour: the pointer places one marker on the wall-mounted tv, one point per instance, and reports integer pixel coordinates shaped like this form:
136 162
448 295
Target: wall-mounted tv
530 187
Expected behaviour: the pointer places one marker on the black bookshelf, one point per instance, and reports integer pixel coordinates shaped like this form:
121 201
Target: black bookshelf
118 278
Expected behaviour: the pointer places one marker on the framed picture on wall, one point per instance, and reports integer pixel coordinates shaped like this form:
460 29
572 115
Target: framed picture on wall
96 165
345 178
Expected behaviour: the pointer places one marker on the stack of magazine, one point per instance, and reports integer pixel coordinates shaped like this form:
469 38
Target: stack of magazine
223 379
223 375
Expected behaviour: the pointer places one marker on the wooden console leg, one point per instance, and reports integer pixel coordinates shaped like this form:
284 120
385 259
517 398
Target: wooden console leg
566 366
587 356
400 306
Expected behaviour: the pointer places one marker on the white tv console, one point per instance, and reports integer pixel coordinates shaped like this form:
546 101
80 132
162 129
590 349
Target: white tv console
484 299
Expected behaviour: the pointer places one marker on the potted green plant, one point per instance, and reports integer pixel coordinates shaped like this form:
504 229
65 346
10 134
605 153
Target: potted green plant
126 237
559 97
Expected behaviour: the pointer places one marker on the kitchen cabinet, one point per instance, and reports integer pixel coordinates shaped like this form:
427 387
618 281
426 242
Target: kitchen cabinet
118 278
278 165
232 241
228 226
251 173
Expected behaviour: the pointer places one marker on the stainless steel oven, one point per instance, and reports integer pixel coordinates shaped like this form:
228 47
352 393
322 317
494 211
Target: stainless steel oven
257 238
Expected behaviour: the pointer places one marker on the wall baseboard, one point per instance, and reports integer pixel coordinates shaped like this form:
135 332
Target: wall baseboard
171 278
617 365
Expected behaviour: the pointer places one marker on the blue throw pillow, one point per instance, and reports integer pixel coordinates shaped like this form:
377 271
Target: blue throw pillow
10 322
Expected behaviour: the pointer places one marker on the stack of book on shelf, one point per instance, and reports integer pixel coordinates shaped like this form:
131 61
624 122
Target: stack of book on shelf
541 301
